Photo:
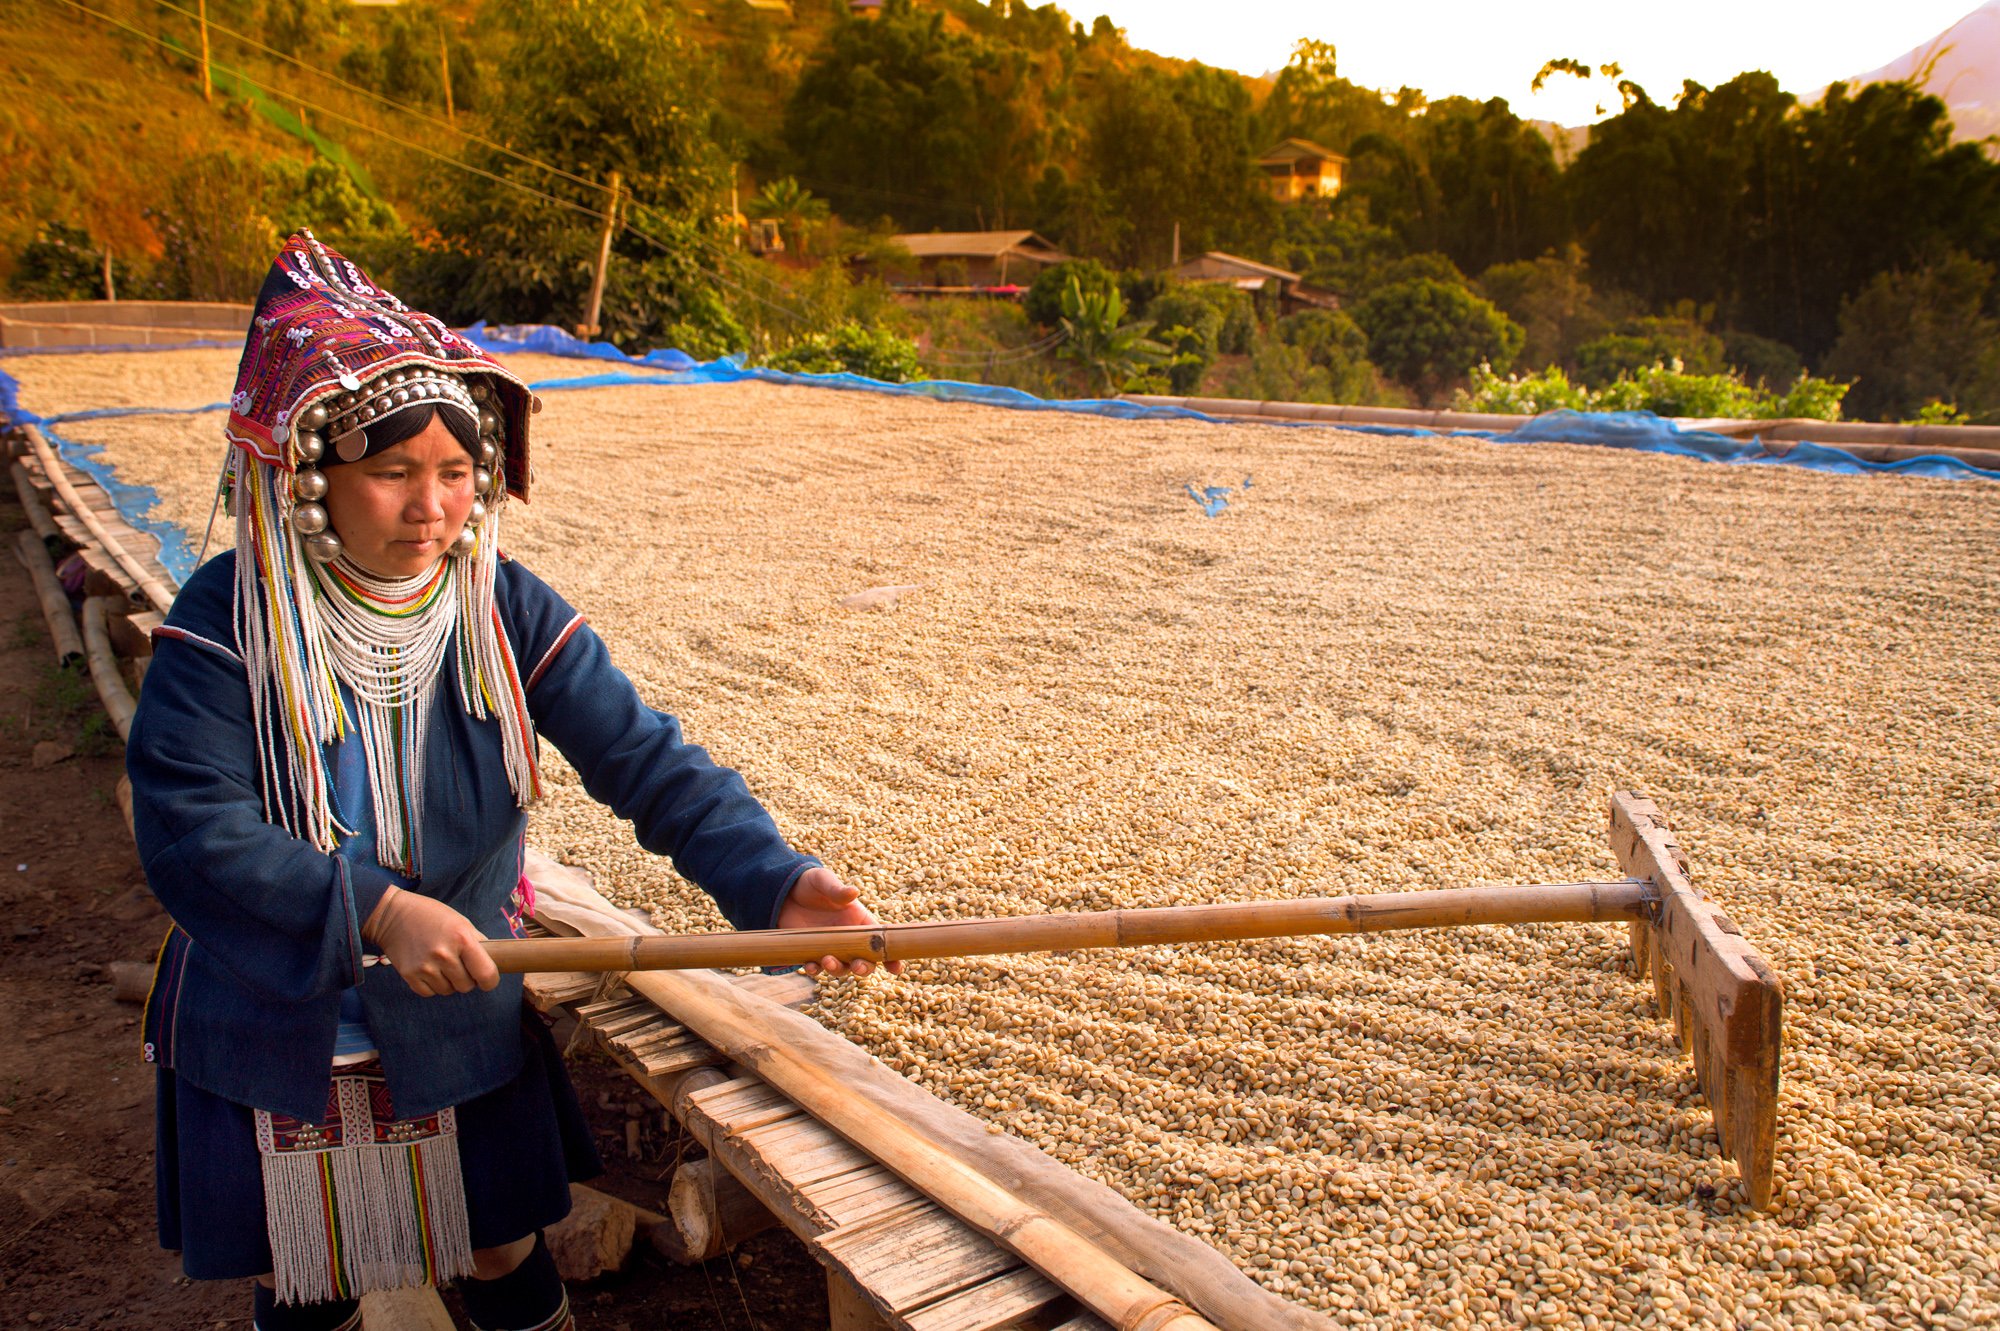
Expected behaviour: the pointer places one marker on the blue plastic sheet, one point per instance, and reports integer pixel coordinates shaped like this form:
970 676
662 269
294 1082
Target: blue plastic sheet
1646 432
1640 431
133 502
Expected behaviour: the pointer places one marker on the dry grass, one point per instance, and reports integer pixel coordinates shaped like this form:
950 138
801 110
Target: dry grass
1388 664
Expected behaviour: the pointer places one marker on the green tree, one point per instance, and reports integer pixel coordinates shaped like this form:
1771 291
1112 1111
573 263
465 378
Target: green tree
1097 337
1173 149
1923 335
1553 301
608 87
1496 195
1428 334
914 117
794 207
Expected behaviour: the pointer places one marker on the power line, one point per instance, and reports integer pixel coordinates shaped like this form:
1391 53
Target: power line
375 131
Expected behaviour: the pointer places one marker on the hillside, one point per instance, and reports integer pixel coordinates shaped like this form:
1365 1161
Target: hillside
1961 65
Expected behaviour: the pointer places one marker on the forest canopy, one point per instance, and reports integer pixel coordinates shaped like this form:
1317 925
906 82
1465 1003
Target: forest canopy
1728 231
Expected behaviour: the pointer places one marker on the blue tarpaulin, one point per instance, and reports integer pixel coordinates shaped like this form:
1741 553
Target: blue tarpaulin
1637 430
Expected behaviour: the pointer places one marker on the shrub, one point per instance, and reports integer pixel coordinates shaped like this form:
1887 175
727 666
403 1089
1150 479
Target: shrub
1638 344
1522 395
62 262
1045 296
876 353
1426 333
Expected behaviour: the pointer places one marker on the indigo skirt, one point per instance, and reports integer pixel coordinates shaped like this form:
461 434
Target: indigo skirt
519 1147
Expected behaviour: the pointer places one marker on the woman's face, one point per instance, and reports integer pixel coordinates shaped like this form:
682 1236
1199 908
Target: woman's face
398 511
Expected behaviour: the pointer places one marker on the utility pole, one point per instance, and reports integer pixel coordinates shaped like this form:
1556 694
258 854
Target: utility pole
590 327
207 86
444 64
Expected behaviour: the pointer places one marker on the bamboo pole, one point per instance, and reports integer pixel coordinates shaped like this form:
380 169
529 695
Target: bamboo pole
104 672
207 85
603 260
1558 903
55 602
31 503
444 66
855 1095
155 591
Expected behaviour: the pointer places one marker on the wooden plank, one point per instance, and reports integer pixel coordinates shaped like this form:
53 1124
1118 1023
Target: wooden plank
848 1307
1725 1001
418 1309
792 989
859 1193
1010 1299
914 1256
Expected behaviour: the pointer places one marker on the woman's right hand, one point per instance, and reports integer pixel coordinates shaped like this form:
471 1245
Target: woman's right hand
434 948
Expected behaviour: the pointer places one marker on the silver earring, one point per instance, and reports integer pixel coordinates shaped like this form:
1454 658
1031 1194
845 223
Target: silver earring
322 547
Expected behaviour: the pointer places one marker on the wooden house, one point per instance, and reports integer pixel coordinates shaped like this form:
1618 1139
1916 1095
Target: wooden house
1301 169
1249 275
979 258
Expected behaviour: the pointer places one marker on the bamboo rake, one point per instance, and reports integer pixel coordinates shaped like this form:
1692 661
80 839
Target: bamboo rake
1558 903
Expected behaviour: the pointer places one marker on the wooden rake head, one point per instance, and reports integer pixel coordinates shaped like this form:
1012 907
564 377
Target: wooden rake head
1726 1003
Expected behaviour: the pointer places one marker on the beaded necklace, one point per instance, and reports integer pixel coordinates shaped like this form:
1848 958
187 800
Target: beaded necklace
386 639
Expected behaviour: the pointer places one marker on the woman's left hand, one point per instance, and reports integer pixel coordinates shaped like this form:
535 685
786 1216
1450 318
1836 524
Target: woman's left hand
819 900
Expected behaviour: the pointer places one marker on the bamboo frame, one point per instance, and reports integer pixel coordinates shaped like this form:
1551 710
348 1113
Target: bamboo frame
31 503
1558 903
104 671
154 590
55 602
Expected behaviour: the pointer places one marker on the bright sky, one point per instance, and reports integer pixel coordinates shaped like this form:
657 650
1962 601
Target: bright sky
1492 48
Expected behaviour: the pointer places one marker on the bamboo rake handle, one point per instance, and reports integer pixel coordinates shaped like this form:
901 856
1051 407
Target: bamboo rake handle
1551 903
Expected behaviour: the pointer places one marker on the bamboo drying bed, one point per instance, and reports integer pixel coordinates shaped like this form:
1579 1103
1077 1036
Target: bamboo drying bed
894 1256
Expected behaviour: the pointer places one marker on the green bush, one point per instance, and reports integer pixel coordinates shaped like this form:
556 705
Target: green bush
1761 360
1045 296
1425 333
876 353
1639 343
62 262
1664 390
1523 394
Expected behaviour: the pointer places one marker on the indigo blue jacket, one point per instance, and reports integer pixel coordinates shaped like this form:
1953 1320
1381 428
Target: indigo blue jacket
267 929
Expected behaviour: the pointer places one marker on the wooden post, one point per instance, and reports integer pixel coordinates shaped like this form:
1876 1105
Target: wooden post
708 1213
110 285
104 673
590 325
1177 246
444 64
207 85
847 1308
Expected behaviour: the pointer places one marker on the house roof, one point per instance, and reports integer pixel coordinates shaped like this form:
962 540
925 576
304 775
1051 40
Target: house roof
1296 150
1231 265
978 245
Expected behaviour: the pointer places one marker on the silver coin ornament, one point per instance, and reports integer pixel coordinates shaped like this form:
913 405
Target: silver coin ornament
311 444
310 486
466 543
482 481
315 417
489 420
476 514
322 547
481 390
487 452
309 519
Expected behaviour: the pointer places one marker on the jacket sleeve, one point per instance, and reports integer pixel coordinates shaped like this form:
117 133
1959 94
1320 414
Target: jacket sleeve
634 760
280 915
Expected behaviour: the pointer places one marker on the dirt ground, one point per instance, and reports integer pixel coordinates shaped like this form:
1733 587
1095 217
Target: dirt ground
77 1243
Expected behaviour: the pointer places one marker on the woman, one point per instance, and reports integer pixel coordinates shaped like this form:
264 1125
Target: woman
332 756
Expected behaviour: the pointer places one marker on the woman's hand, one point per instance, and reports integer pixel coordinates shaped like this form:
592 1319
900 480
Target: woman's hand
434 948
819 900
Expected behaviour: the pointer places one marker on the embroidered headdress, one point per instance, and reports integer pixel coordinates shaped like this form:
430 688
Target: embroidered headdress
330 353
